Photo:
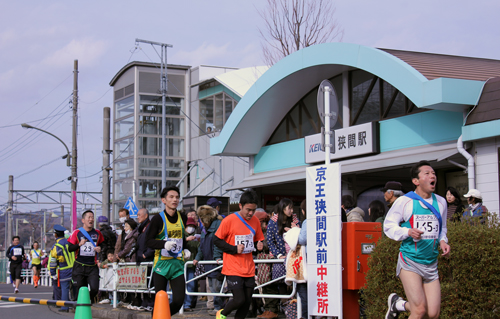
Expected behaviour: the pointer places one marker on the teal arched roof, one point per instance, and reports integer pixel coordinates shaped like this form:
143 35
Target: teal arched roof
271 97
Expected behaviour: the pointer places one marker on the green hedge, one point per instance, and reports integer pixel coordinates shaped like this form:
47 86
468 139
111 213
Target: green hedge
470 277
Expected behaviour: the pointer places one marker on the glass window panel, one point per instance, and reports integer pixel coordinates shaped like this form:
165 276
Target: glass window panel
371 110
152 104
279 134
152 125
124 128
152 188
152 167
150 205
124 169
124 148
219 112
360 82
152 146
398 106
123 189
228 107
207 114
293 123
310 103
124 107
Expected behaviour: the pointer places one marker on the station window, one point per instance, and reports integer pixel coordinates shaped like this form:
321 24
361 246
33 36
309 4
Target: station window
370 99
215 111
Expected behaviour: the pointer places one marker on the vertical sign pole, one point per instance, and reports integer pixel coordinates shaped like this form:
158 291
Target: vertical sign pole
327 124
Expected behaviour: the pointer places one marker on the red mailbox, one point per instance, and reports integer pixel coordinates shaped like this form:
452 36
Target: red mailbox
358 241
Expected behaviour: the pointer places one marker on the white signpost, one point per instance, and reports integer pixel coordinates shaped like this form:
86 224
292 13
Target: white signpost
324 238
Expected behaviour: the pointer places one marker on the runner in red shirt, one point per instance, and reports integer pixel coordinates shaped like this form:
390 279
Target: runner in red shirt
86 243
237 237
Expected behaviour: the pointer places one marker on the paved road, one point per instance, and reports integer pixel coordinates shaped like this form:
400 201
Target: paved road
24 311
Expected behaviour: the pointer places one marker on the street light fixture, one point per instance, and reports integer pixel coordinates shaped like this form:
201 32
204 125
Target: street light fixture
73 177
67 156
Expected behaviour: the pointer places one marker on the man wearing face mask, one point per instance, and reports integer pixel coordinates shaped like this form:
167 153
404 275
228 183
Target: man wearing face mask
192 245
123 215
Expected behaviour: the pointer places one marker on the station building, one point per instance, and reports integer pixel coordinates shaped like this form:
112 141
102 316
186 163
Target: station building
396 108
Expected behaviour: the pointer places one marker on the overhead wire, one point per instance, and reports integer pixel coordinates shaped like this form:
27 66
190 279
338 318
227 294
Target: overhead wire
24 140
132 51
35 169
36 103
35 121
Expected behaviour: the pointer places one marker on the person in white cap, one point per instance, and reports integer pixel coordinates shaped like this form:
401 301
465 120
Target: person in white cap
476 207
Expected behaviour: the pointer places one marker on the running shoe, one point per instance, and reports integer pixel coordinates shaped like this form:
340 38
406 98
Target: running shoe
105 301
16 291
149 308
392 312
219 315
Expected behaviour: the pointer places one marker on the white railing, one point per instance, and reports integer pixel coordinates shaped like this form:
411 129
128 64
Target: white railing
27 274
109 279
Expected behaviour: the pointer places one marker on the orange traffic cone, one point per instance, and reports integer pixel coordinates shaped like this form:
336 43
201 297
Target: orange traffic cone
162 306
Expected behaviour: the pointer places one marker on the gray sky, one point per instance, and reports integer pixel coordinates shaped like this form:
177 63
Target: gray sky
40 39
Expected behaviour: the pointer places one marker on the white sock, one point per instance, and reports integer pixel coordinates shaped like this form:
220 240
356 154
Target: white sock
400 305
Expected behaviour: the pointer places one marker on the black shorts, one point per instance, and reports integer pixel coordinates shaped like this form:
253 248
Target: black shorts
38 267
15 270
236 282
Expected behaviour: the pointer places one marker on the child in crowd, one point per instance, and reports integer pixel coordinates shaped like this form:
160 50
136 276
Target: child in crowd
105 265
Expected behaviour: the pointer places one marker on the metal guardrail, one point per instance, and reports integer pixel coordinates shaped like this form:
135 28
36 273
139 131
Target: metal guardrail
27 274
109 281
228 294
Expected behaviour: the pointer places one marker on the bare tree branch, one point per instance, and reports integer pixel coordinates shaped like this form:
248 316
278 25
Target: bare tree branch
290 25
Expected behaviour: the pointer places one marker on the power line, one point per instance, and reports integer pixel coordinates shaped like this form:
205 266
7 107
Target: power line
43 97
132 52
28 135
35 169
34 121
27 143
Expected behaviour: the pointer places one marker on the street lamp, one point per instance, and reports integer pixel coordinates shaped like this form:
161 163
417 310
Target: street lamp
67 156
44 235
73 166
24 221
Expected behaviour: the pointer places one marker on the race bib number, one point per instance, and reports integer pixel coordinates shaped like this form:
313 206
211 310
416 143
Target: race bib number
87 249
176 249
246 240
429 224
17 251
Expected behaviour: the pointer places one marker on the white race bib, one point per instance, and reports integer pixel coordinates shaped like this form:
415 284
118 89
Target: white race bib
246 240
429 224
87 249
17 251
176 249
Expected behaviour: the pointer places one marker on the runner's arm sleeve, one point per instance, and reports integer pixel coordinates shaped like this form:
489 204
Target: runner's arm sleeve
395 216
444 229
154 229
9 255
225 247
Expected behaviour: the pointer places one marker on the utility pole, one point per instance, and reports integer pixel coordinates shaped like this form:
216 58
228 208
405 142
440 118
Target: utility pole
10 210
105 164
74 177
163 88
62 215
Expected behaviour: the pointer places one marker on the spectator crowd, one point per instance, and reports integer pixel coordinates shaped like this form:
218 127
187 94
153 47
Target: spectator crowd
169 239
